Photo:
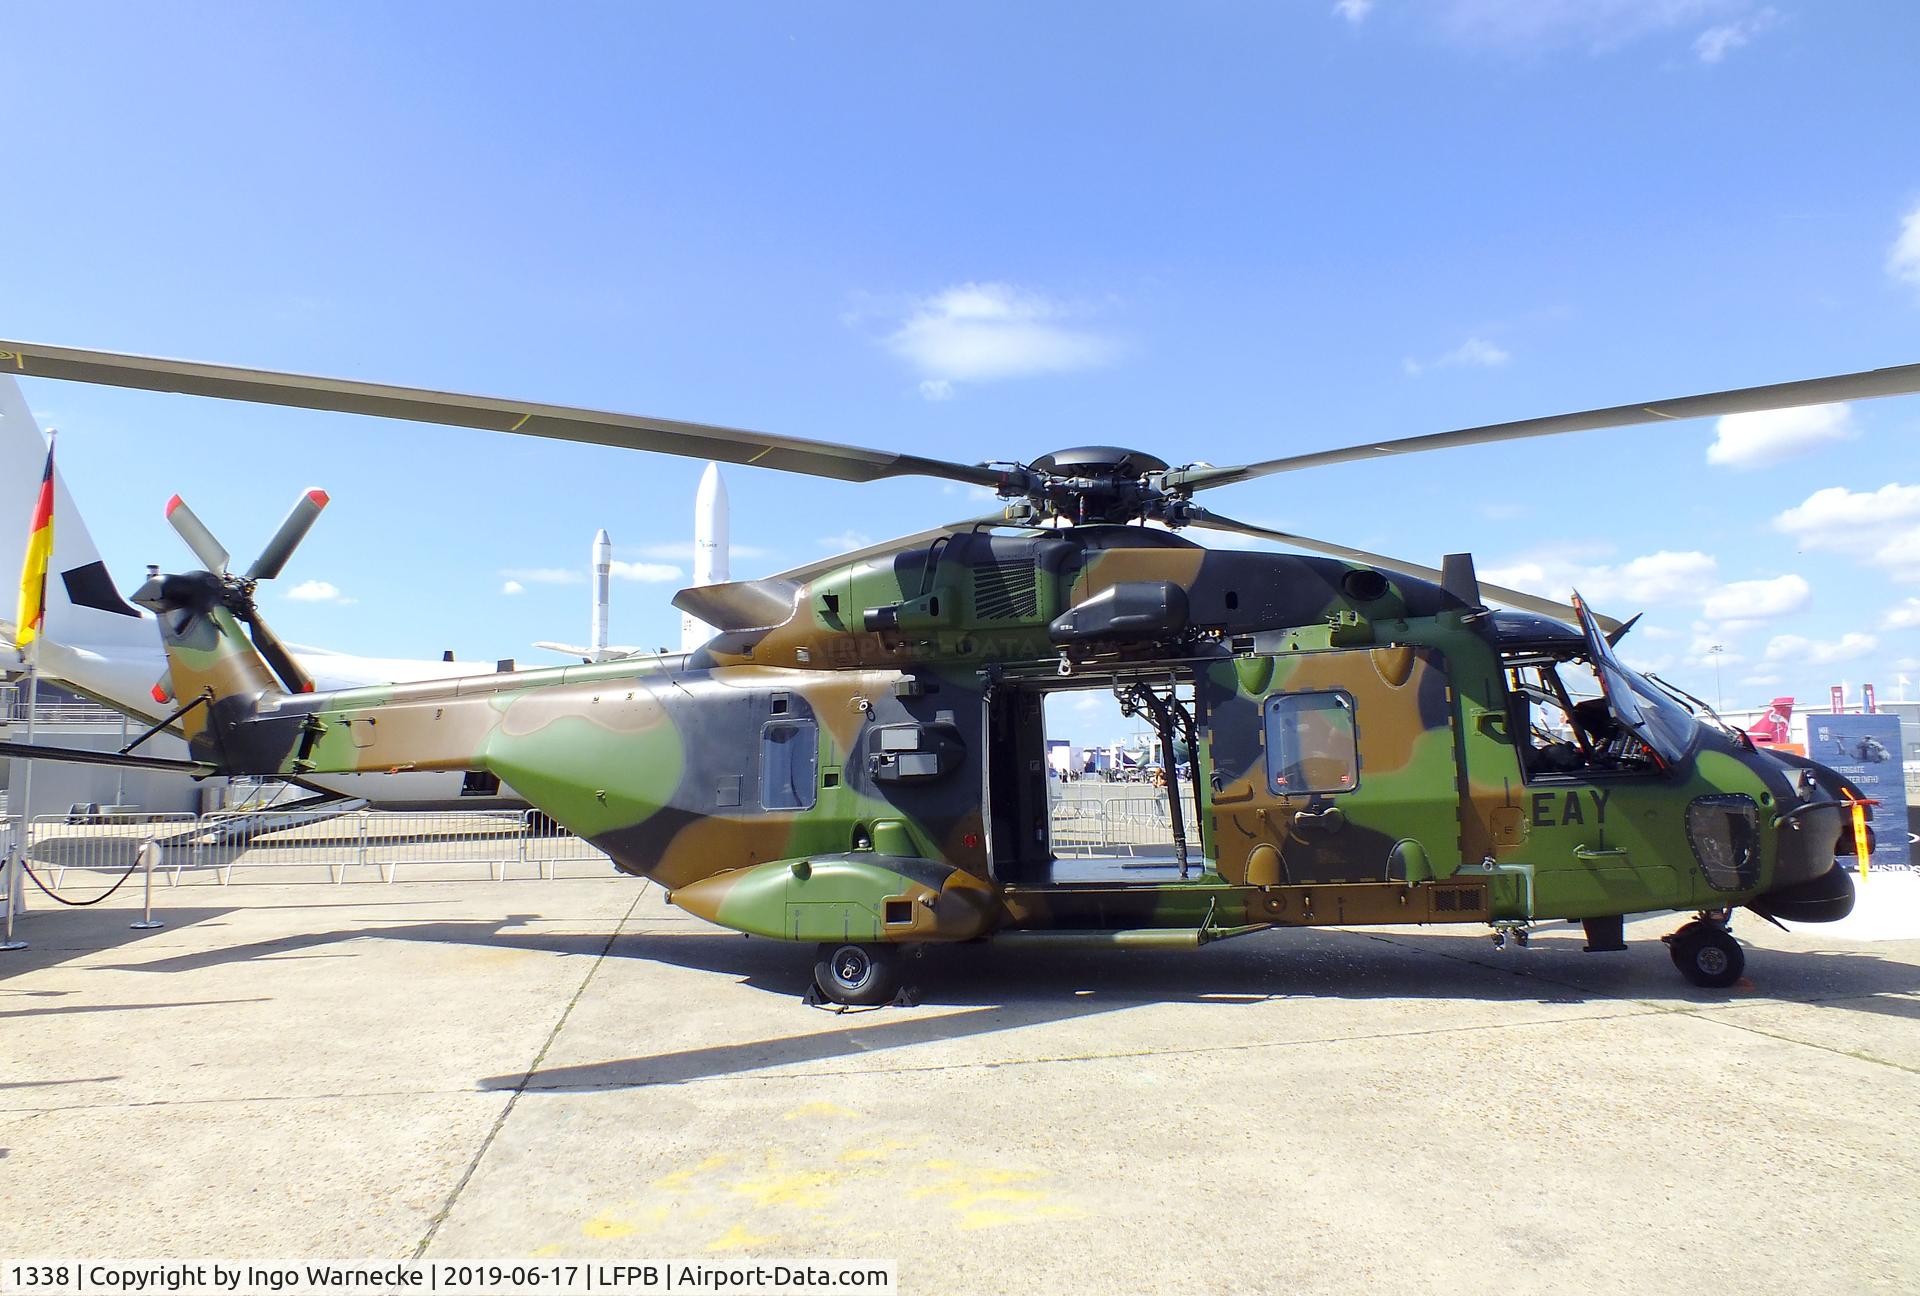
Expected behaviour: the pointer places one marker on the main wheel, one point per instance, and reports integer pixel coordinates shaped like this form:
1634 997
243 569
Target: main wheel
862 975
1707 955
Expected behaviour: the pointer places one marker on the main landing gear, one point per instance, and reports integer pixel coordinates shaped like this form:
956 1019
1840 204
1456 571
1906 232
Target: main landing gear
858 975
1705 951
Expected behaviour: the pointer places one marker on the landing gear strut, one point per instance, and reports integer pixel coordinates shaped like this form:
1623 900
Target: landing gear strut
1706 953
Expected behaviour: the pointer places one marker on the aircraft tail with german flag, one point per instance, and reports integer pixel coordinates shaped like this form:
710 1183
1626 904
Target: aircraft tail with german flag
31 612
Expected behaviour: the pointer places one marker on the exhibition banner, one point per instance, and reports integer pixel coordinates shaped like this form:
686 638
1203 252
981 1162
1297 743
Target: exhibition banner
1867 749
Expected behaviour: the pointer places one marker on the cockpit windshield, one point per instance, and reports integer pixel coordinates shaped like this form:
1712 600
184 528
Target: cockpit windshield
1653 714
1581 712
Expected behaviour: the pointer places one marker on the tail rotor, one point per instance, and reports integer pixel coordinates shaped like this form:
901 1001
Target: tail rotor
237 592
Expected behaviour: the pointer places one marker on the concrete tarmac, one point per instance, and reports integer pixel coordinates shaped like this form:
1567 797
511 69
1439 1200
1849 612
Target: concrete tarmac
574 1069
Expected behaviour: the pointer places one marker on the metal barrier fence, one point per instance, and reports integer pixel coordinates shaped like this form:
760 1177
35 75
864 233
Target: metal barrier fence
1116 825
382 842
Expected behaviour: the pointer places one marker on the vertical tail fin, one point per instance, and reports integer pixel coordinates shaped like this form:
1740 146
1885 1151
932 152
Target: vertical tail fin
1774 726
83 605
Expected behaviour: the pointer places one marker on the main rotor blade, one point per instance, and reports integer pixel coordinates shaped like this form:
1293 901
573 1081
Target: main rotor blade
1512 597
821 566
560 422
1899 380
211 553
299 521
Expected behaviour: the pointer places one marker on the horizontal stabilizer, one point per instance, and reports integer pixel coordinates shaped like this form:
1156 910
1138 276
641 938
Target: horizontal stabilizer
741 605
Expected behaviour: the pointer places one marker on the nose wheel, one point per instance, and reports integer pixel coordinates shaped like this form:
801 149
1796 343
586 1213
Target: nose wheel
1707 954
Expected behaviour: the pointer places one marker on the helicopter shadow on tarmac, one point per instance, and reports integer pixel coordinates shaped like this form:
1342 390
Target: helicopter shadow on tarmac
1006 990
1001 990
1342 963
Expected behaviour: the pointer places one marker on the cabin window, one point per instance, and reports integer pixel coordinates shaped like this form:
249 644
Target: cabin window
1310 744
789 757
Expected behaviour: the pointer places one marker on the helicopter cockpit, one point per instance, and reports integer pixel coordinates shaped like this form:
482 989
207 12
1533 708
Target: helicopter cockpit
1577 711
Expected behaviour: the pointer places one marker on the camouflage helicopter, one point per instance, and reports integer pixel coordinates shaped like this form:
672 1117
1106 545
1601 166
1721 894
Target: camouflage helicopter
857 759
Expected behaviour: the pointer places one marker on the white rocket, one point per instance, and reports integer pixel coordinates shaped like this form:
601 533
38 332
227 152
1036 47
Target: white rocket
710 545
596 648
602 574
710 567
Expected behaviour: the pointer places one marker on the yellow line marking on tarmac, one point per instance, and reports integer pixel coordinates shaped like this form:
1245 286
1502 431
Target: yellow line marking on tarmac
818 1109
880 1151
737 1238
811 1189
606 1226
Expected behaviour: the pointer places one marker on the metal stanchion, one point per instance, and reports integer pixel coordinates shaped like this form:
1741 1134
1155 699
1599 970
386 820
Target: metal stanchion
148 922
13 892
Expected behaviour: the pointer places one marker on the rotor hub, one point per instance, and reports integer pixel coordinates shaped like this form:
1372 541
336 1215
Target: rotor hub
1089 484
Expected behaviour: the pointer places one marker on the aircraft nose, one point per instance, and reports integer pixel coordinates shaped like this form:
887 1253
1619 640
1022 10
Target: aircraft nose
1825 897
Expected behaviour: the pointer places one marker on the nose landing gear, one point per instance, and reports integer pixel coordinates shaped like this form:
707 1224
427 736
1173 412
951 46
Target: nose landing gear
1706 953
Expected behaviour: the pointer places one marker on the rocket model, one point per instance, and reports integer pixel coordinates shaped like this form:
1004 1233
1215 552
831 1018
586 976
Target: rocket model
596 648
602 573
709 568
710 541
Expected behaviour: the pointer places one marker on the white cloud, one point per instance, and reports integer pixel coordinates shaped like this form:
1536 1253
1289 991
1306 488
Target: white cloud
1837 518
546 575
1757 600
1475 351
979 332
845 542
513 587
1766 437
317 591
1715 43
1879 527
1903 258
1710 647
651 573
1901 555
1815 652
1762 680
1525 26
1354 11
1904 617
1664 577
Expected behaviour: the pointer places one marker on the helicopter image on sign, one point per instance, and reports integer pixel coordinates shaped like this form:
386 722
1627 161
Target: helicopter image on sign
857 760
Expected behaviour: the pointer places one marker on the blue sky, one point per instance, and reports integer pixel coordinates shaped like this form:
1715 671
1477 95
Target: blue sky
1221 232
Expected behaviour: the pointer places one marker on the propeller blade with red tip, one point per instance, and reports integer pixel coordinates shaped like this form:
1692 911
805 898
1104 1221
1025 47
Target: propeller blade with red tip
305 512
208 550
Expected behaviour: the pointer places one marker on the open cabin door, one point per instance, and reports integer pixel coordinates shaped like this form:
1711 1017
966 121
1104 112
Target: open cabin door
1069 800
1337 767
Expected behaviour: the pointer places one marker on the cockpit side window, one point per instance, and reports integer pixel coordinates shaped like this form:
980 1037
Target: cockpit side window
1311 745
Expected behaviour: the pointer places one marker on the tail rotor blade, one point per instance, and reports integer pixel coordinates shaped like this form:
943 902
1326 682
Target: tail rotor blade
306 511
208 550
278 659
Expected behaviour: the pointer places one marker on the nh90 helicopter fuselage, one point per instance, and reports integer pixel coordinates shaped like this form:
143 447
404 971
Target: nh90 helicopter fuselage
859 760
